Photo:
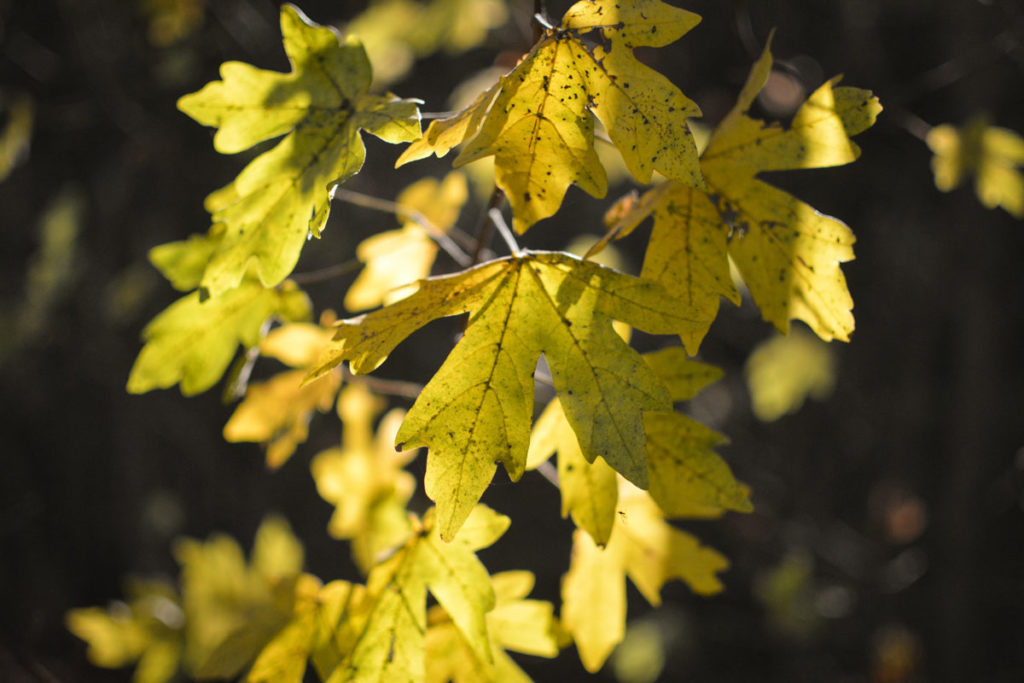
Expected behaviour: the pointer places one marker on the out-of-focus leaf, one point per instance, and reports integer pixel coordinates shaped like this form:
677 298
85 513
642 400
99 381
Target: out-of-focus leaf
515 623
644 547
784 370
16 135
364 479
401 257
994 156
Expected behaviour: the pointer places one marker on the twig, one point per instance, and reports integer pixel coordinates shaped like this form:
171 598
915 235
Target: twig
327 273
391 387
484 224
436 234
549 472
503 229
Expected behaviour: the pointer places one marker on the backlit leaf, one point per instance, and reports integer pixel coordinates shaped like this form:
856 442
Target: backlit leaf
787 253
400 257
644 547
477 409
284 194
391 646
364 479
192 342
539 124
514 624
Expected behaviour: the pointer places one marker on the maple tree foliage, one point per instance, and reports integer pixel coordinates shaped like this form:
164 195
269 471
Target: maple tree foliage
629 461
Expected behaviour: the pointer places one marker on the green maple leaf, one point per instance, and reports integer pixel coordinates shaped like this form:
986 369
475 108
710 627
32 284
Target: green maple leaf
787 253
390 644
284 194
192 342
538 121
477 409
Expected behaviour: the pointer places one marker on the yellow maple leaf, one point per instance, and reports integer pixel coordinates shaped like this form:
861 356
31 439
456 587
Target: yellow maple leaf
364 479
477 409
400 257
277 412
515 623
644 547
390 645
145 631
783 371
284 194
993 155
538 120
787 253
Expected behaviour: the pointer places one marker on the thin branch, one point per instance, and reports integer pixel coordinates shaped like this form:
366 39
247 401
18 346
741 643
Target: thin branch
436 234
327 273
392 387
549 472
484 224
503 230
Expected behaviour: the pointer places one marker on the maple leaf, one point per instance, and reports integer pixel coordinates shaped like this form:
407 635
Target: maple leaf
146 630
390 645
233 609
538 121
644 547
277 412
284 194
477 409
514 624
686 476
993 155
783 371
364 479
184 261
192 342
400 257
787 253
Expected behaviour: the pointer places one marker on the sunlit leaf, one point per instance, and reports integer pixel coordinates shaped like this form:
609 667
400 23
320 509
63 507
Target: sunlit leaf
277 412
284 194
994 156
192 342
391 645
145 631
540 125
783 371
16 135
644 547
477 409
400 257
515 623
787 253
364 479
183 262
234 609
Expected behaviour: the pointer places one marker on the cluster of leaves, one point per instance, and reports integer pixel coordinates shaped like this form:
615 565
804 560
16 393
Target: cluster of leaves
627 460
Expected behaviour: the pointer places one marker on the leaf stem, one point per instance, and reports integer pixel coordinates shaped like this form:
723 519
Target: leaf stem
549 472
436 234
484 224
391 387
503 229
327 273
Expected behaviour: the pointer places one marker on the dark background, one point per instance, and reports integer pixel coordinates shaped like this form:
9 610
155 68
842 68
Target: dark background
888 518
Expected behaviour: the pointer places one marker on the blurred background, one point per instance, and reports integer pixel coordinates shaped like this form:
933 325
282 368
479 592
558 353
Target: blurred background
886 544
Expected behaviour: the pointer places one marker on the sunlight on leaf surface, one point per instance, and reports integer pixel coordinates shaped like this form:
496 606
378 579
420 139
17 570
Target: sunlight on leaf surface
784 371
284 194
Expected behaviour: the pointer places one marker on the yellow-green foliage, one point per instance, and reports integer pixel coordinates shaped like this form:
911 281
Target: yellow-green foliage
628 461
